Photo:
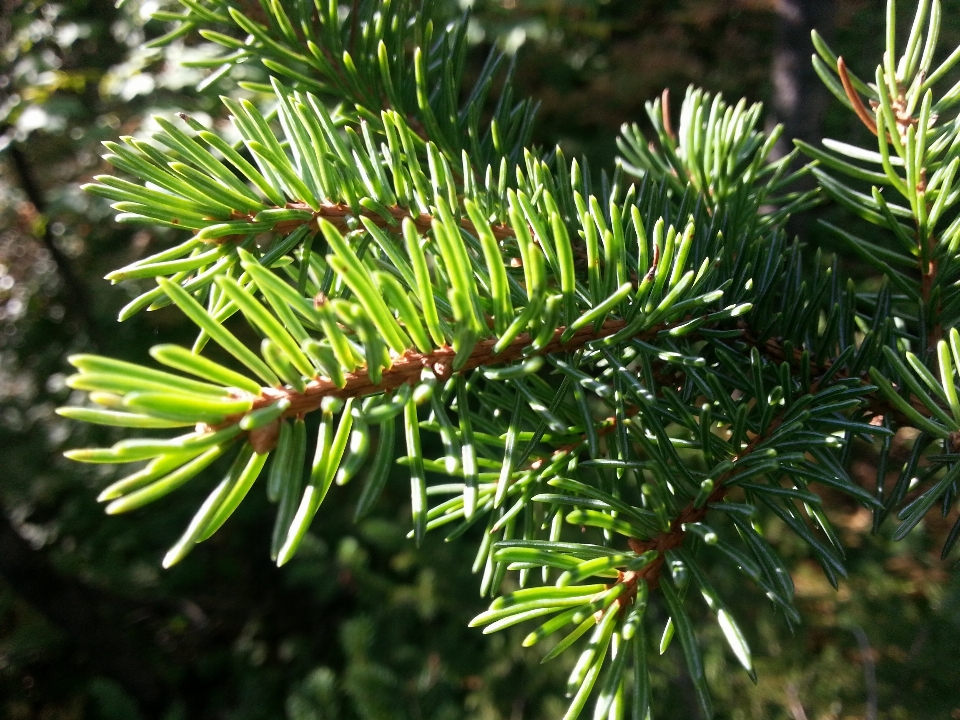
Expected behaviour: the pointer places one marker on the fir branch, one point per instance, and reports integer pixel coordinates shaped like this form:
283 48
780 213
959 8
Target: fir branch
407 368
344 218
693 512
879 406
454 265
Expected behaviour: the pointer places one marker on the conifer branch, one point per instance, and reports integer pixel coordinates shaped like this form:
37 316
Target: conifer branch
407 369
692 513
344 218
456 259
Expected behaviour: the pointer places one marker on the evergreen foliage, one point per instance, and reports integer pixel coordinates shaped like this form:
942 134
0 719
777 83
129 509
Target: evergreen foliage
610 374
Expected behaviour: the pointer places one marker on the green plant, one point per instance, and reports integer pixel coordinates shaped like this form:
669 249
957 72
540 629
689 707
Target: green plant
643 355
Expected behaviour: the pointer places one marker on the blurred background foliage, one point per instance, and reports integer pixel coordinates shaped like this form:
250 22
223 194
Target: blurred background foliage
361 625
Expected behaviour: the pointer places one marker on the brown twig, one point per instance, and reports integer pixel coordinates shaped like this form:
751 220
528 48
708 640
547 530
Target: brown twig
665 113
338 214
854 97
407 368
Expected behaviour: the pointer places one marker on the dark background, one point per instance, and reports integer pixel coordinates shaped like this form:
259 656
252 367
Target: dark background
361 625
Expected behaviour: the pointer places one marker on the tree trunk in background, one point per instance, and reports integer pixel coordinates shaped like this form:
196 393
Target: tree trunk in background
798 99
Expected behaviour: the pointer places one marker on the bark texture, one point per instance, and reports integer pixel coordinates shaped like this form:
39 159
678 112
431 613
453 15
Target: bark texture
798 98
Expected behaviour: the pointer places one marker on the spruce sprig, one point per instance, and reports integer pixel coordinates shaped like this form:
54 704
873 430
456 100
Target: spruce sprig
652 362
